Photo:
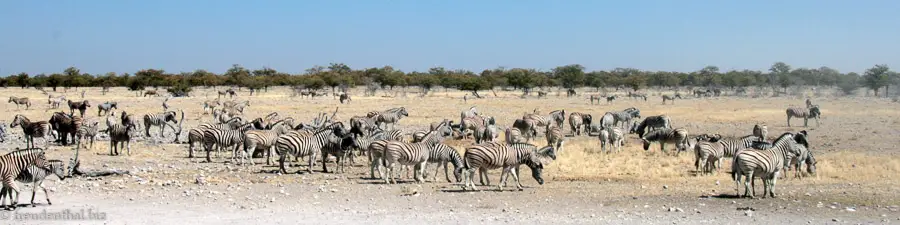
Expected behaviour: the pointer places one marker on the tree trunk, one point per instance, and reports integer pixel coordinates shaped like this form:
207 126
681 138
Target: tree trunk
886 87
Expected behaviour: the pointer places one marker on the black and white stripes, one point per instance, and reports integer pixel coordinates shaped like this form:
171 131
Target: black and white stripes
39 129
495 155
35 175
20 101
805 113
766 164
12 164
161 120
665 136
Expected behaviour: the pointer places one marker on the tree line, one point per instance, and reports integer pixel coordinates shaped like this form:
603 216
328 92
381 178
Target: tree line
339 75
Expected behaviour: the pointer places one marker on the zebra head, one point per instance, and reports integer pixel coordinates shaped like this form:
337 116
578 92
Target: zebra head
170 117
19 120
800 138
403 111
536 162
58 168
810 163
814 111
85 104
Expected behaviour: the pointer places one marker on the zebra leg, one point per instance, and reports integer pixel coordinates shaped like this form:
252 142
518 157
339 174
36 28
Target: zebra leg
420 172
324 165
515 175
389 168
772 186
312 159
280 162
9 181
503 175
789 120
748 188
446 173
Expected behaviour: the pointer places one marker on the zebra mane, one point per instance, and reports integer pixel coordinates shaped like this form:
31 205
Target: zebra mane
19 152
22 118
784 137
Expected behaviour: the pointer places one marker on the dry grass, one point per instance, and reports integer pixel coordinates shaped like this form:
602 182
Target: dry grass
846 150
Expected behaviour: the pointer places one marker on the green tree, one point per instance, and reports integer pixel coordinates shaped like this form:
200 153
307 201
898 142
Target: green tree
570 76
236 74
877 77
56 80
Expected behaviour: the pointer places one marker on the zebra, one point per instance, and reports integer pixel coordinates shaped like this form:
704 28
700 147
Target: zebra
554 137
488 156
607 120
475 124
402 153
805 156
3 131
718 148
610 99
39 129
766 164
441 154
557 117
55 102
13 164
670 98
230 92
264 123
527 127
390 116
471 112
339 148
196 134
119 133
760 131
809 103
225 138
805 113
625 116
345 97
151 93
514 136
613 136
161 120
443 128
36 175
106 107
307 145
80 106
677 136
87 131
20 101
263 140
362 124
652 122
580 122
65 126
209 106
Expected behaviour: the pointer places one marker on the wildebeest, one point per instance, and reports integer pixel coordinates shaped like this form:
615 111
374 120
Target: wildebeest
80 106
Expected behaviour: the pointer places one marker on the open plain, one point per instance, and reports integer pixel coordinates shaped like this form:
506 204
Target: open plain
855 144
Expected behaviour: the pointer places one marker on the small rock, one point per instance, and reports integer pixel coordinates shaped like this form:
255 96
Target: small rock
665 186
748 213
850 209
835 220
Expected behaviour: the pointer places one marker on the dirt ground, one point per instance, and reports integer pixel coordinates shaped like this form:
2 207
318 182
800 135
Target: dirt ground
855 182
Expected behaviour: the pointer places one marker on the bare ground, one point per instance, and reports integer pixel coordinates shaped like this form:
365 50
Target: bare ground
854 183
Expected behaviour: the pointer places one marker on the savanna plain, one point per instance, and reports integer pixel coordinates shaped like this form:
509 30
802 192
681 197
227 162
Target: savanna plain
855 144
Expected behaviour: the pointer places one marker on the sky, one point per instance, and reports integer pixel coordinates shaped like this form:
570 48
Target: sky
122 36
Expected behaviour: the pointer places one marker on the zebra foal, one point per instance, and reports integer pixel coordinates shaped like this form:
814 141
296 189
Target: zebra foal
11 165
36 175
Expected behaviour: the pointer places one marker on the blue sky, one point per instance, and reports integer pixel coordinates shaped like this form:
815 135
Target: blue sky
673 35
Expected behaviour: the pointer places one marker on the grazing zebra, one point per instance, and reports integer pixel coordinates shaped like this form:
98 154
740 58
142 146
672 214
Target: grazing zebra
307 145
613 136
402 153
760 131
570 93
20 101
557 117
35 176
13 164
39 129
580 122
488 156
263 140
161 120
65 126
80 106
106 107
345 97
805 113
766 164
55 102
441 154
390 116
119 133
554 137
652 122
87 131
625 116
677 136
670 98
514 136
609 99
223 139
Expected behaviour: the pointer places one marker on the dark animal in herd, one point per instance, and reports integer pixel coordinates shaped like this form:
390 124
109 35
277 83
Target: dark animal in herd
80 106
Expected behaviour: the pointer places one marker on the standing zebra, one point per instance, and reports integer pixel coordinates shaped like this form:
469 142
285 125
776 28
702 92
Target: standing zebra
805 113
65 126
557 117
345 97
625 116
13 164
677 136
390 116
580 122
607 120
338 148
106 107
528 128
493 155
307 145
554 137
718 148
119 134
161 120
417 154
226 138
87 131
514 136
441 154
39 129
609 99
362 124
766 164
55 102
670 98
80 106
805 156
36 175
760 131
611 136
263 140
20 101
652 122
471 112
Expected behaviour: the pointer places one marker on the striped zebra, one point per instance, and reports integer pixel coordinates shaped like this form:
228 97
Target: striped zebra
13 164
376 156
613 137
554 137
20 101
442 154
339 148
264 123
442 128
670 98
514 136
677 136
160 120
766 164
607 120
36 175
580 122
119 134
528 127
362 124
221 139
805 113
402 153
87 131
714 150
805 156
39 129
55 102
556 116
131 120
263 140
80 106
625 116
489 156
4 133
307 145
652 123
65 126
474 124
760 131
390 116
106 107
471 112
